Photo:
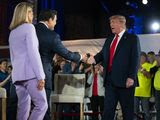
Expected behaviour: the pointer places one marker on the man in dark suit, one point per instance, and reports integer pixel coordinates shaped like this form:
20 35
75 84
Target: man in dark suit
49 44
120 58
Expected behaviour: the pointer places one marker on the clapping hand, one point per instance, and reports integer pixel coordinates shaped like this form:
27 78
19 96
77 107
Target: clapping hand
91 60
84 58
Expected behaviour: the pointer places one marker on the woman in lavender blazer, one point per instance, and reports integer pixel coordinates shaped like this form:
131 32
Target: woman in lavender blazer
27 75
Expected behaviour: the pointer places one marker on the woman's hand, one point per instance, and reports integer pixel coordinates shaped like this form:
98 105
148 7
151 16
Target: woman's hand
41 84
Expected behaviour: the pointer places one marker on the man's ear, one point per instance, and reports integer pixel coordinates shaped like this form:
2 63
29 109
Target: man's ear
50 19
48 22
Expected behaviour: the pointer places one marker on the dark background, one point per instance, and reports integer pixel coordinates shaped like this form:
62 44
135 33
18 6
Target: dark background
78 19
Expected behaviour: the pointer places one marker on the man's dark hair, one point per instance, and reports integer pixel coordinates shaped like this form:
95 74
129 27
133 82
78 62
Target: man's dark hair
144 54
10 66
45 15
3 60
151 53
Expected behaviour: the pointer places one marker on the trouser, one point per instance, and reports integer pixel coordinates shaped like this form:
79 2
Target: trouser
145 106
12 104
48 114
113 94
157 96
97 102
27 91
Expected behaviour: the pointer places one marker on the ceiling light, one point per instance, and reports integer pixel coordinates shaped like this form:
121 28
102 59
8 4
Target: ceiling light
144 2
155 26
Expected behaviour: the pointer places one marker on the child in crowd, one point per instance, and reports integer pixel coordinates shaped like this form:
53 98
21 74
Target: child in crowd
96 90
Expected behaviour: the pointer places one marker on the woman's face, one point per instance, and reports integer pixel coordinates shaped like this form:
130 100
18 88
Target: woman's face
96 68
29 15
62 64
142 59
151 58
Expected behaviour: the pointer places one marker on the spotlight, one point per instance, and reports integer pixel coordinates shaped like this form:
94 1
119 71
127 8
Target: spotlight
144 2
133 5
155 26
127 3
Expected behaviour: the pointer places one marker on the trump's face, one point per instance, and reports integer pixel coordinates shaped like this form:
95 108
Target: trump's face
116 26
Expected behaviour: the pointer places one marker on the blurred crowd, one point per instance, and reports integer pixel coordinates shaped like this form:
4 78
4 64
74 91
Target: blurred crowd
147 91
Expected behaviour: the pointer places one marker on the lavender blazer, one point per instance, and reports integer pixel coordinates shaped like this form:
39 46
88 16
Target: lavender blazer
24 52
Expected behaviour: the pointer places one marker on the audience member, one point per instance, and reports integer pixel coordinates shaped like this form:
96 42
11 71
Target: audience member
143 91
157 88
4 74
96 90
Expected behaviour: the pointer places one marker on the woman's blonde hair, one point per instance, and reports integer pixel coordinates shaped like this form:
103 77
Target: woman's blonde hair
20 14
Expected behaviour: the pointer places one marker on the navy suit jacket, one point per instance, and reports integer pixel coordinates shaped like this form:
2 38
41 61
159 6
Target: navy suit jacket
49 44
125 62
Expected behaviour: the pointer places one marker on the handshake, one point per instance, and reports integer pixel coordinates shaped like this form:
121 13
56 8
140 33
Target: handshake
88 58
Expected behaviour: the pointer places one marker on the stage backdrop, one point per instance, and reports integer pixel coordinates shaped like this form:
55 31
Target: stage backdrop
148 42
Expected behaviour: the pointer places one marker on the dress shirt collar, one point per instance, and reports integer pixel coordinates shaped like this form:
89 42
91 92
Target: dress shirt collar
121 33
44 24
119 37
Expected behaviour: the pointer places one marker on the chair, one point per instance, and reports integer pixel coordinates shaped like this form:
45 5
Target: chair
3 97
86 109
69 88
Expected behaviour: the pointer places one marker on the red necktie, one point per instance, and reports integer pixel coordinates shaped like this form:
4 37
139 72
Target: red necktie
95 89
112 51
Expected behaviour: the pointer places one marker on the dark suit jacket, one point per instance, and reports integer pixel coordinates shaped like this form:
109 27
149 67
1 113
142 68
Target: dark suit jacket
125 62
49 44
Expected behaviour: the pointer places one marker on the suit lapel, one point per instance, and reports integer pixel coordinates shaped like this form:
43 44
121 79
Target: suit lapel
122 40
110 39
107 47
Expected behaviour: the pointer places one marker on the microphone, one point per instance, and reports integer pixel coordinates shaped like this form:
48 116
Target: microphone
93 64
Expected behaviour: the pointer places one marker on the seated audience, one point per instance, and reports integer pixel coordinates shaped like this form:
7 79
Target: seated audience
4 74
